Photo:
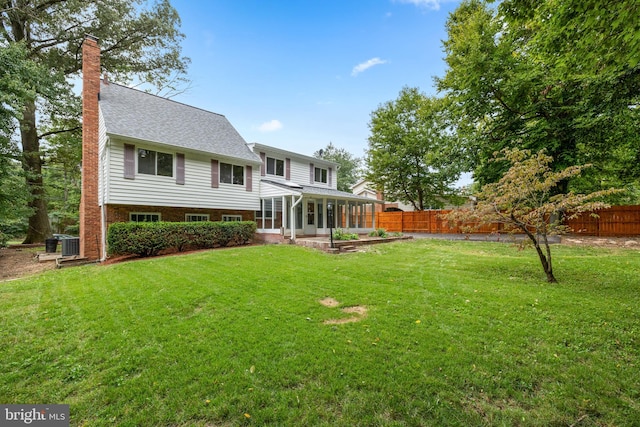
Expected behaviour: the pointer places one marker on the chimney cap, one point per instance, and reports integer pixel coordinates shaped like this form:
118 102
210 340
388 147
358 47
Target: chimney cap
90 37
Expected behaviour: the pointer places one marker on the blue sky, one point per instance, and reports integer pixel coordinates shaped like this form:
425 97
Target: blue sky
300 74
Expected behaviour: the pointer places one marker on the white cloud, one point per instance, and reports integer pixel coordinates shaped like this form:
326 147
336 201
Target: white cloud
430 4
366 65
271 126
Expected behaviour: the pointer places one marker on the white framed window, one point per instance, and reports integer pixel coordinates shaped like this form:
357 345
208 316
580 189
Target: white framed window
196 217
145 216
155 163
231 174
275 166
231 218
320 175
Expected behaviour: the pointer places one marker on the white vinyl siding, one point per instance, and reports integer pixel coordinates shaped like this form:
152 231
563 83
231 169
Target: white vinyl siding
269 190
296 167
157 190
300 174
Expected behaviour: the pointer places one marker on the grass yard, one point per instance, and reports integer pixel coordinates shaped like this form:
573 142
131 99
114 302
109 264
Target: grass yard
455 333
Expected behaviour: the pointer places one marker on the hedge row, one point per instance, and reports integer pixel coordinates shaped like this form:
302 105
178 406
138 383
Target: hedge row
149 238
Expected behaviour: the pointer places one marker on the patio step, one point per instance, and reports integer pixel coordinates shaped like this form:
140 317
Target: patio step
348 248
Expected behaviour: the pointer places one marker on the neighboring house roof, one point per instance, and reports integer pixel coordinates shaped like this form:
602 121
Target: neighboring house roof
309 190
139 115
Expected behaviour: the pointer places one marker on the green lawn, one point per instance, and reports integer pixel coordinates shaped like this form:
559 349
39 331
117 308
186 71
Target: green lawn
463 333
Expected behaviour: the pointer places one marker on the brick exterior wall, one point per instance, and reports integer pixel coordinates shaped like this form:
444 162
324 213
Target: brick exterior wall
120 213
90 216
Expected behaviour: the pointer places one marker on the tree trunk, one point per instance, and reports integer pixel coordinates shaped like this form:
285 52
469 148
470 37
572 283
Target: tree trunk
39 227
546 263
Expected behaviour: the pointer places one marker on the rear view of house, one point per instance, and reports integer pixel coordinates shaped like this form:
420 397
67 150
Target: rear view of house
147 158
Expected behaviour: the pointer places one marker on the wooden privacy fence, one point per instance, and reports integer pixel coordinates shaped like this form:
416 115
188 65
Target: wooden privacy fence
614 221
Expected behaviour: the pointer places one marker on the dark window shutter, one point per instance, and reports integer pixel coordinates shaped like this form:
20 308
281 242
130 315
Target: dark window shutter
180 168
330 173
129 161
249 178
263 166
311 173
214 174
287 169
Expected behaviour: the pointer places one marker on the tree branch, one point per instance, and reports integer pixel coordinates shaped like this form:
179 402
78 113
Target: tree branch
55 132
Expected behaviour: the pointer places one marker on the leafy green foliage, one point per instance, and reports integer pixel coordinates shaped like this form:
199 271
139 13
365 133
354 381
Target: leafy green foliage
411 150
340 234
524 201
559 75
62 178
150 238
380 232
349 166
19 79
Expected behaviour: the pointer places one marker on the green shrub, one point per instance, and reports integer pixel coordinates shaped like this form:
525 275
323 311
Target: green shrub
380 232
149 238
3 240
340 234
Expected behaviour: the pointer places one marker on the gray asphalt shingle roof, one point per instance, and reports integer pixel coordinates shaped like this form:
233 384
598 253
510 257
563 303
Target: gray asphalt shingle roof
135 114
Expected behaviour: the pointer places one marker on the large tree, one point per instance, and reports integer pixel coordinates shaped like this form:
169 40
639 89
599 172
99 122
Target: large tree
19 78
562 75
137 41
411 154
349 166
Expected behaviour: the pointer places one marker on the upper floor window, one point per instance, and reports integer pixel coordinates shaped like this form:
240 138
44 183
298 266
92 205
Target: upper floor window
231 174
155 163
321 175
275 166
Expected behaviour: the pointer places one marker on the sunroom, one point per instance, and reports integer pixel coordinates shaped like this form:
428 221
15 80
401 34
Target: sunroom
289 210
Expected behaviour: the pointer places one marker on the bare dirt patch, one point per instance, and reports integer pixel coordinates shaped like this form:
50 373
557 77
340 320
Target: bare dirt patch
359 311
16 262
329 302
606 242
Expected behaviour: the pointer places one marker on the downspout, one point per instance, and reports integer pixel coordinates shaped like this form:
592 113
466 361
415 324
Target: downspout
293 216
104 234
103 211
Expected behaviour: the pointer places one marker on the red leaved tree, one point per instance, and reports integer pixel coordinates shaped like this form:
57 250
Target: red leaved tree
523 200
